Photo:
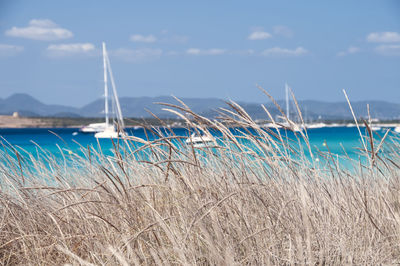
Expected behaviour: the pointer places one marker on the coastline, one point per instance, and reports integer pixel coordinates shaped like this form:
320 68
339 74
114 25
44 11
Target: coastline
7 121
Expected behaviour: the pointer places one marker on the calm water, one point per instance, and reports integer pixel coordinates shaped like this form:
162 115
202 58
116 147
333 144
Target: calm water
66 140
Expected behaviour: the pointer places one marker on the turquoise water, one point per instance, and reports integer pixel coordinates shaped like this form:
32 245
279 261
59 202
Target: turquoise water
56 141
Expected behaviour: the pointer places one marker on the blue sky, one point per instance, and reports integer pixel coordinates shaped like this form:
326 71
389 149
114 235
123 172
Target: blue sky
51 49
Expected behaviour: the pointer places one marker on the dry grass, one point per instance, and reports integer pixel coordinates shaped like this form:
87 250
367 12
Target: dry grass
213 206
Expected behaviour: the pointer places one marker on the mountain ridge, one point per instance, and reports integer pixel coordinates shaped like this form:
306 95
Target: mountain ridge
27 105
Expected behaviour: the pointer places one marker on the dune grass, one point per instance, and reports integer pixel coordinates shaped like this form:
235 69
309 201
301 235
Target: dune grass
172 204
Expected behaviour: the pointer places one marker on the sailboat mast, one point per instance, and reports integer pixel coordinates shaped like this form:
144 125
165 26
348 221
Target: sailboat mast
115 98
105 84
287 101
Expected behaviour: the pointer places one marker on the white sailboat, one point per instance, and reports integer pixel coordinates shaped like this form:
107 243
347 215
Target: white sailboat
199 140
294 127
116 127
93 128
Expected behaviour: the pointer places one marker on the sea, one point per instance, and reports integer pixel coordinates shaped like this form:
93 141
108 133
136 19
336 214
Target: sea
344 143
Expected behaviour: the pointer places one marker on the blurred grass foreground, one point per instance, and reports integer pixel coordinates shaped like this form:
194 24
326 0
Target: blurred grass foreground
222 204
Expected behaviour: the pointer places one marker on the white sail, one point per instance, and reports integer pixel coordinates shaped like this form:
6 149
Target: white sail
115 98
294 127
105 85
287 101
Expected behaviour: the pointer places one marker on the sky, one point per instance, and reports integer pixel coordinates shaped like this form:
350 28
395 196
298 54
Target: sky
52 49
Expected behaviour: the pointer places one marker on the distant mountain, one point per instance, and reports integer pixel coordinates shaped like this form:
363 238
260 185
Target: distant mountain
26 105
337 110
136 106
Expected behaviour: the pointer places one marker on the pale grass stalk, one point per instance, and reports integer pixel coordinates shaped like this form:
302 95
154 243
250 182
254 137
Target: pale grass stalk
166 203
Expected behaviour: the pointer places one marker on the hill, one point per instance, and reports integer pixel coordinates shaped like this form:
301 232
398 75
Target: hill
27 105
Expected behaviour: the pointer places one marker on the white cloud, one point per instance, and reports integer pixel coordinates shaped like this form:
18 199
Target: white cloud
137 55
196 51
383 37
388 50
278 51
350 50
58 50
199 52
259 35
193 51
40 29
142 38
10 50
43 23
283 31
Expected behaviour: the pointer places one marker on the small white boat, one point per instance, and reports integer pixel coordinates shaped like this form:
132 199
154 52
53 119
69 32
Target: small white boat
199 141
316 125
376 128
397 129
271 125
334 125
296 128
93 128
108 133
292 126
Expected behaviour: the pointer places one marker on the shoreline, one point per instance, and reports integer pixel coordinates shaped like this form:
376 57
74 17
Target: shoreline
8 122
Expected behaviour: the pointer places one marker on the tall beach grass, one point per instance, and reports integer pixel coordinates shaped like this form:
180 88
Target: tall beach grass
170 203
